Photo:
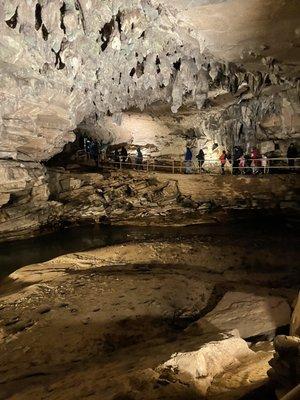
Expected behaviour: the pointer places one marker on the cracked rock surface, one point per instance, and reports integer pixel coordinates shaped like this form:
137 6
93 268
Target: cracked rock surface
40 200
108 322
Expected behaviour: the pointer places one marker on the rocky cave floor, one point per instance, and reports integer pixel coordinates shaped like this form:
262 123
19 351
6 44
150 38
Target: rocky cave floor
101 324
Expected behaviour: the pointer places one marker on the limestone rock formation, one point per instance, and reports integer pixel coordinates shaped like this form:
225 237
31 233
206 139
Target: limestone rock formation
250 314
73 64
210 360
248 31
285 365
63 61
66 63
40 200
225 369
239 380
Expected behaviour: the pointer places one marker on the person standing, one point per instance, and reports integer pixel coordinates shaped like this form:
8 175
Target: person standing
117 158
201 160
223 158
96 152
139 159
264 164
291 154
242 164
237 154
248 164
123 154
188 160
256 160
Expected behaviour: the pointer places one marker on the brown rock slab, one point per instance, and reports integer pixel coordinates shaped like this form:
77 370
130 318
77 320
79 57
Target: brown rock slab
212 359
251 314
239 380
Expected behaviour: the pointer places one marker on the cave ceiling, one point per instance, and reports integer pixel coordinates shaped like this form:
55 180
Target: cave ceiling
246 30
210 66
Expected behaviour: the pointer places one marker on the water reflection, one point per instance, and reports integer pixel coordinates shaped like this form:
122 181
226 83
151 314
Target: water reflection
14 255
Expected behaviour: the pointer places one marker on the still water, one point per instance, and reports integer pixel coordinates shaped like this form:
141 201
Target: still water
14 255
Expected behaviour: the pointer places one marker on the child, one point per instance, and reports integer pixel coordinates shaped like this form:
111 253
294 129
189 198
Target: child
242 164
223 158
264 164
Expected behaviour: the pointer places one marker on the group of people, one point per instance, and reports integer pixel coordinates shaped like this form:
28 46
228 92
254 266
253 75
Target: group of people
242 163
92 149
121 156
253 163
98 152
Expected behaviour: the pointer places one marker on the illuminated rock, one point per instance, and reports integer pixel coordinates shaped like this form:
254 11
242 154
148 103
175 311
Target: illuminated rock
210 360
249 313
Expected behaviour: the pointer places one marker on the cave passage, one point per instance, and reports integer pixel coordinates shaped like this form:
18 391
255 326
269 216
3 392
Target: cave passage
149 200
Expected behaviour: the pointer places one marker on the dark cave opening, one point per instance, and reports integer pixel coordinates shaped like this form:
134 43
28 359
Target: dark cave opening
13 21
62 15
38 16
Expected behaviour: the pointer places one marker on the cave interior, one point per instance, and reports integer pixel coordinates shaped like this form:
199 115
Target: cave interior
131 268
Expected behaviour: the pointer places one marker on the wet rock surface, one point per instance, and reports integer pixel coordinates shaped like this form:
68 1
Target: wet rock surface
104 322
252 315
115 323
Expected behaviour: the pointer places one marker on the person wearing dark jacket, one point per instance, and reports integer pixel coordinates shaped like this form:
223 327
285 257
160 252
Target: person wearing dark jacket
237 154
117 158
291 154
124 154
201 160
188 160
139 158
248 162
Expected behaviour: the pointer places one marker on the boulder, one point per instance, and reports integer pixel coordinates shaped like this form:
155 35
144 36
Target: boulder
285 365
210 360
70 183
249 313
244 378
4 198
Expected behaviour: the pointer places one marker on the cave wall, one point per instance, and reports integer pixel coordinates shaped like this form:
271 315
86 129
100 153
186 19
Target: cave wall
62 61
81 64
265 119
67 62
68 198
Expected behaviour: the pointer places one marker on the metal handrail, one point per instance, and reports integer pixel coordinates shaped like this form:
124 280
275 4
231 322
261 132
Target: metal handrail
180 166
215 160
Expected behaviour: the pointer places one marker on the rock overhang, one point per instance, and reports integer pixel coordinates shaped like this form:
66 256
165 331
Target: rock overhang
65 63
